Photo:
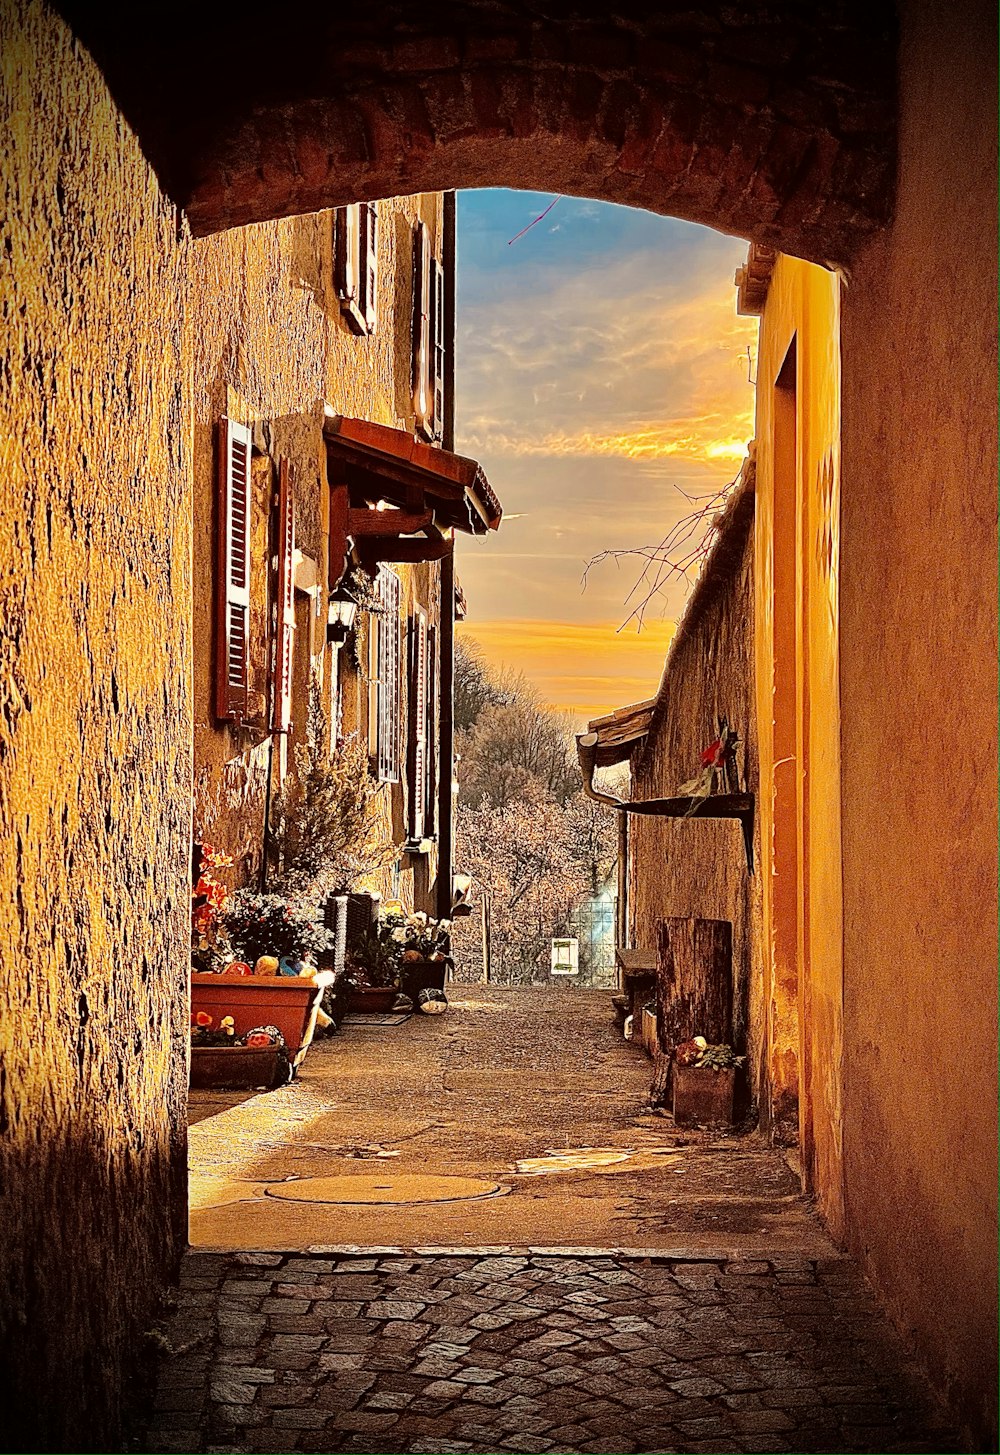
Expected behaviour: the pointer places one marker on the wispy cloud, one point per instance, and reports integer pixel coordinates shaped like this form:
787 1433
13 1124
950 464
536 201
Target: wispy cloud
602 376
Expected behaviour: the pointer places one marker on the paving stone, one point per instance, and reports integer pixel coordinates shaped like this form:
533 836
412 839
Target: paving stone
493 1353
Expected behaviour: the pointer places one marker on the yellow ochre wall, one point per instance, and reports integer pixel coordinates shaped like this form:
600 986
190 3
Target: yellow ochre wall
95 742
798 432
919 713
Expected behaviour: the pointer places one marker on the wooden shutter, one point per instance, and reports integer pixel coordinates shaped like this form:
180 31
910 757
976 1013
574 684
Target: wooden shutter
346 247
373 693
232 615
368 263
423 403
389 726
437 428
285 602
418 725
430 735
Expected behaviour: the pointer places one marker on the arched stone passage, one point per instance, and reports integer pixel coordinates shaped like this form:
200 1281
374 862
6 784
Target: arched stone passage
775 122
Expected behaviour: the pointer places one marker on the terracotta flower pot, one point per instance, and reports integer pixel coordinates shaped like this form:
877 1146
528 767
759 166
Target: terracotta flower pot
418 975
284 1002
371 999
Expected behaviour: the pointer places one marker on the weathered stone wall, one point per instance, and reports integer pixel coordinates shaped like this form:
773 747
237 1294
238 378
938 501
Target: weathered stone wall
95 742
698 867
918 703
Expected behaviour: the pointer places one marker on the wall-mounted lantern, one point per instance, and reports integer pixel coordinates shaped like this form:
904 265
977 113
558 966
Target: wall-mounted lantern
340 617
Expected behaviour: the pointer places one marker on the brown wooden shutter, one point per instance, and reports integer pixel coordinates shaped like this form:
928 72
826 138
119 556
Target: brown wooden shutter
439 350
232 615
418 725
423 402
368 263
285 604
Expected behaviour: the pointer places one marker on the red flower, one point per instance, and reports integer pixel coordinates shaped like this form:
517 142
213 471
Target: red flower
258 1039
712 757
202 1018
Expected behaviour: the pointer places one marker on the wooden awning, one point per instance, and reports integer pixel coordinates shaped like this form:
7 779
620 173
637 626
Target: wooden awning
393 498
620 732
388 467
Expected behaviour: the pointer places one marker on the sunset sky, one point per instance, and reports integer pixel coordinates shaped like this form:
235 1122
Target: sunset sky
601 370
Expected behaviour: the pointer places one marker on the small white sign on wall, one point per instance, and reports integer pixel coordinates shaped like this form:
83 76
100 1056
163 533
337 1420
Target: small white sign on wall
565 957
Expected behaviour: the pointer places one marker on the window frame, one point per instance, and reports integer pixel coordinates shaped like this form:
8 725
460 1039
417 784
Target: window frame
355 265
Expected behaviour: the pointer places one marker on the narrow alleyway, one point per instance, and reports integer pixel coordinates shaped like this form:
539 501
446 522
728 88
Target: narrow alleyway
675 1295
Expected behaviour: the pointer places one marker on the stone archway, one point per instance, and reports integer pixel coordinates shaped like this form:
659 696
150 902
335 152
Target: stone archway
773 122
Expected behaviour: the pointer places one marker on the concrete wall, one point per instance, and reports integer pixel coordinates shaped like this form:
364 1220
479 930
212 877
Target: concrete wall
696 867
95 742
918 680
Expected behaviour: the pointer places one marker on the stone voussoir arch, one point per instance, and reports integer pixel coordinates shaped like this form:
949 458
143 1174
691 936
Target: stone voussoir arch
774 121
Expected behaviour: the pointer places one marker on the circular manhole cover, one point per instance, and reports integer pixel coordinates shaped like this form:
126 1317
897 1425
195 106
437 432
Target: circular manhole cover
401 1189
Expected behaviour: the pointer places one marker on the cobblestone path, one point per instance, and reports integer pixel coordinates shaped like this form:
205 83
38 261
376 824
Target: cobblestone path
533 1352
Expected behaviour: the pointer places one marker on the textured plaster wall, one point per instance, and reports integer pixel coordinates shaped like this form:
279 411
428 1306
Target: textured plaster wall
95 739
919 711
697 867
271 348
797 644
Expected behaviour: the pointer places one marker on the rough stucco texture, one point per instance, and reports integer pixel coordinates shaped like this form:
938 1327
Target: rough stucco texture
694 867
919 652
94 743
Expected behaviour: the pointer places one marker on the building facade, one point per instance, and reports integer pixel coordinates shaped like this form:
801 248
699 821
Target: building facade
760 644
299 326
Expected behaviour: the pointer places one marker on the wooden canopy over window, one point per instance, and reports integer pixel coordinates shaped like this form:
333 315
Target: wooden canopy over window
620 732
398 499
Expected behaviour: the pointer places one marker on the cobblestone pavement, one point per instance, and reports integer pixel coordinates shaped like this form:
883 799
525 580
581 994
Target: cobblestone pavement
533 1351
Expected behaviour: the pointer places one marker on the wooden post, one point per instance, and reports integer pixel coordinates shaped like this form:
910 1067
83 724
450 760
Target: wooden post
694 989
486 938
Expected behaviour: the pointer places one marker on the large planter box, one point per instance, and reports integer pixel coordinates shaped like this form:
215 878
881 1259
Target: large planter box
237 1068
255 1000
703 1097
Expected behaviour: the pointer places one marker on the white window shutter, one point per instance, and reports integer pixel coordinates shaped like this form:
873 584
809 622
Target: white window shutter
285 605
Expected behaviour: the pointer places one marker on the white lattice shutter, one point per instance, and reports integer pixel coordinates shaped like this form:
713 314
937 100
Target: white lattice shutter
285 634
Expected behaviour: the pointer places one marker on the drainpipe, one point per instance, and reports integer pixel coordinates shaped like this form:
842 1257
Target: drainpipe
622 928
446 732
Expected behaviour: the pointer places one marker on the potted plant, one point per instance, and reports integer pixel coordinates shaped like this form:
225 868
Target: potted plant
373 963
426 950
704 1083
253 964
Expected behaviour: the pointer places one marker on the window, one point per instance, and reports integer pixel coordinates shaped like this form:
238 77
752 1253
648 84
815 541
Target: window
355 263
418 745
232 577
384 665
285 600
430 736
428 336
